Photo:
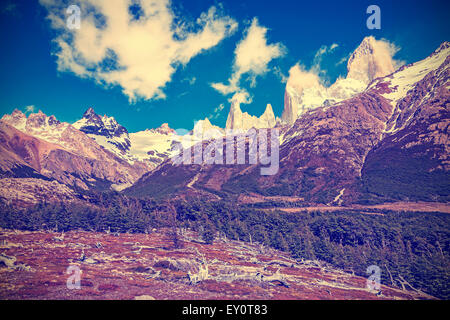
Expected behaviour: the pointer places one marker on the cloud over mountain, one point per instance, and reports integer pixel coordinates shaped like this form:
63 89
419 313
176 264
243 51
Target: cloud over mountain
381 53
307 89
135 45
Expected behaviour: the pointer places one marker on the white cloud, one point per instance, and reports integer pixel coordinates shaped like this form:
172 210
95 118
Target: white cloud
277 71
323 50
343 59
190 80
389 50
300 79
333 46
251 57
29 108
253 54
225 89
216 112
241 97
384 52
318 57
141 55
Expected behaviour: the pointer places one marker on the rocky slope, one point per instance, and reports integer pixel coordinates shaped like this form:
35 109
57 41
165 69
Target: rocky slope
41 146
412 158
26 192
94 153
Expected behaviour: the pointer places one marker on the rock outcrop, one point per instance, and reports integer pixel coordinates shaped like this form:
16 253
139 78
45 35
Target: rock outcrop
238 120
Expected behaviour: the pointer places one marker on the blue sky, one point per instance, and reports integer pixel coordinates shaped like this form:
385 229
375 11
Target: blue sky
30 75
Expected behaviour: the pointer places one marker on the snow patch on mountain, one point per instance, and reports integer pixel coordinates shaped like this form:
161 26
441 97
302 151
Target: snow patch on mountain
407 77
106 132
204 129
17 119
39 125
151 144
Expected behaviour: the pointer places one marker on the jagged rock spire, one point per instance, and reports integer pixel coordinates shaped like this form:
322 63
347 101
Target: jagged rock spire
244 121
304 91
369 61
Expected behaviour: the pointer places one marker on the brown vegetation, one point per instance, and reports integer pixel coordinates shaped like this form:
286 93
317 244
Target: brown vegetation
128 266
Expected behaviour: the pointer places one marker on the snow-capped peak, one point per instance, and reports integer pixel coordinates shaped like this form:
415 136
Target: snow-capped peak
372 59
106 132
89 113
92 123
38 124
16 119
444 45
408 83
268 112
204 129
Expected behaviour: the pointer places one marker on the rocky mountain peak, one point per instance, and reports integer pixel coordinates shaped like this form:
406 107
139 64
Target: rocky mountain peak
16 119
18 114
244 121
89 113
268 116
234 116
370 60
37 120
105 131
269 110
52 121
365 48
91 117
165 129
92 123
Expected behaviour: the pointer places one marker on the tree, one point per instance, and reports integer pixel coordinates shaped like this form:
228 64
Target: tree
173 234
209 232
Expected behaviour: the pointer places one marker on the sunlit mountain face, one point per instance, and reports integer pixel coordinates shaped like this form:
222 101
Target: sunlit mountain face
224 151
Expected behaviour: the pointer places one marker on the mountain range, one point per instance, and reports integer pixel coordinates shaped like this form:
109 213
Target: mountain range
386 143
379 134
